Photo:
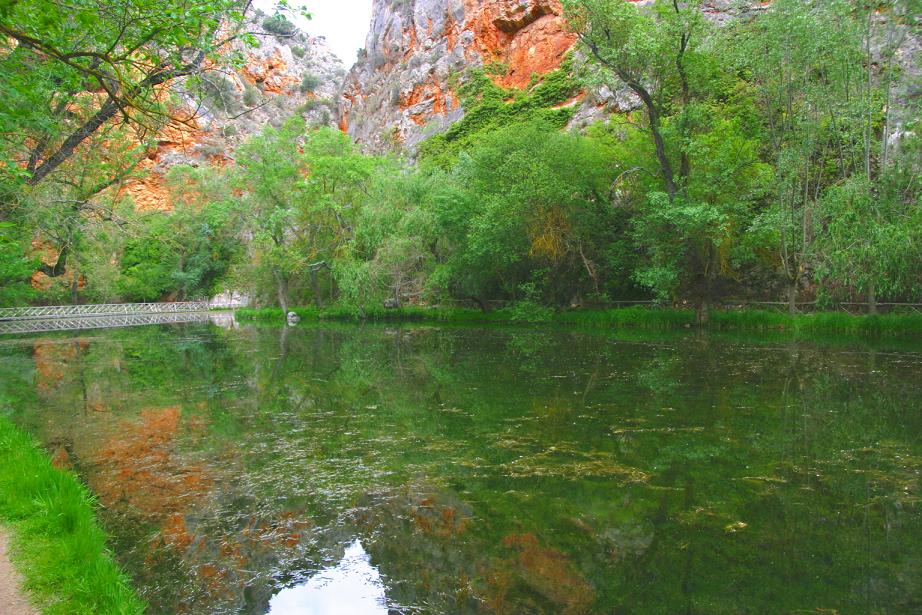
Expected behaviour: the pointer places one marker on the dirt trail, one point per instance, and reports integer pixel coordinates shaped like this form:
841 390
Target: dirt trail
12 600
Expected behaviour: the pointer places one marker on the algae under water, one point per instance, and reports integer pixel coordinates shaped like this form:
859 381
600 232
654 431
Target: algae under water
463 470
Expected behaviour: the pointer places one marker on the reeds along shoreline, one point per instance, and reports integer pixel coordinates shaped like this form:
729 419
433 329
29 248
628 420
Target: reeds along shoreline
818 323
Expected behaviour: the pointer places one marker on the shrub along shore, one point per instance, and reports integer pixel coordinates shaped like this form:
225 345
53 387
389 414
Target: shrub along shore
57 544
830 323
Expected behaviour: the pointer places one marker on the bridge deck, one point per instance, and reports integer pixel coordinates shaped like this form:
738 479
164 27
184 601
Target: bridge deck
38 325
102 309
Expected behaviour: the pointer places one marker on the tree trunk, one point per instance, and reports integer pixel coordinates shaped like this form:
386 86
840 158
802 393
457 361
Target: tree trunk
106 112
281 285
702 310
74 287
59 267
792 297
872 297
315 287
483 304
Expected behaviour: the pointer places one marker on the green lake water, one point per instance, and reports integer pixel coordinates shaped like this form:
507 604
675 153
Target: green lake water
465 470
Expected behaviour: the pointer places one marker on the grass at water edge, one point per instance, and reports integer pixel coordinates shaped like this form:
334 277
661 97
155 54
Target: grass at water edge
819 323
56 542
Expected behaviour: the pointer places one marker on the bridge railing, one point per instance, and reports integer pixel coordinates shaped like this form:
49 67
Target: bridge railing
37 325
101 309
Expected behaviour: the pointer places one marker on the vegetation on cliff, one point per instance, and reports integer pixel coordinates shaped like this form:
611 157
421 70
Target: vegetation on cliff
769 158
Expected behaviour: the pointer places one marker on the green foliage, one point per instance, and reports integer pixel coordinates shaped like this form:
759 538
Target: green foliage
488 107
15 266
704 150
298 51
300 199
309 83
802 60
395 243
187 253
696 240
250 95
147 263
57 543
529 307
280 25
65 52
871 239
529 207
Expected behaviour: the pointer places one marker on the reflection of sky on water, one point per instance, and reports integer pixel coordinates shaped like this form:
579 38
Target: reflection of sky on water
352 587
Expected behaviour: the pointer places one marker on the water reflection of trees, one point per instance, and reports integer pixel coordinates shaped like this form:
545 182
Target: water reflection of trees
497 471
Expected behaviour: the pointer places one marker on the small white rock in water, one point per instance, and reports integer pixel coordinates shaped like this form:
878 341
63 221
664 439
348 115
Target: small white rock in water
293 318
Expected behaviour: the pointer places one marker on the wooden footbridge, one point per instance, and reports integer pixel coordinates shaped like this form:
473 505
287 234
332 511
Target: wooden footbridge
74 317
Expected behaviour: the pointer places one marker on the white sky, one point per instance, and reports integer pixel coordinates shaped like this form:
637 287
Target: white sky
344 23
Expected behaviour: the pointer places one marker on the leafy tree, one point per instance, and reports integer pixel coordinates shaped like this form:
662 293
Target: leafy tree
690 220
15 266
182 254
396 242
804 60
873 233
652 52
335 189
301 190
148 262
529 200
270 169
76 203
72 67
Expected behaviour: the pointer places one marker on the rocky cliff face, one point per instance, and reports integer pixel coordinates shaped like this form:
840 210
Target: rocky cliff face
399 92
282 77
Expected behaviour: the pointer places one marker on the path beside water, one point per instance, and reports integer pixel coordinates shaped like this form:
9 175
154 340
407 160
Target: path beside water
12 599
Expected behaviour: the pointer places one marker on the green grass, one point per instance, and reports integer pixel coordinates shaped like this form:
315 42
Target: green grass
820 323
56 542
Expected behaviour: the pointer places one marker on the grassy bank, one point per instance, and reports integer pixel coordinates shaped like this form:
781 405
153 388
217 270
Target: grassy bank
819 323
56 542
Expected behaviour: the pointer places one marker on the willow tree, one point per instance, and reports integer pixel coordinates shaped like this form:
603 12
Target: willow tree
695 113
300 189
806 63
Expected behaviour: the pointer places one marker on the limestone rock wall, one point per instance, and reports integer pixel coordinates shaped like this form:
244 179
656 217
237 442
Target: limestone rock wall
400 92
229 106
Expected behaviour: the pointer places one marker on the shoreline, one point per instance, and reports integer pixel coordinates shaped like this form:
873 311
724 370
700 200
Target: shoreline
899 325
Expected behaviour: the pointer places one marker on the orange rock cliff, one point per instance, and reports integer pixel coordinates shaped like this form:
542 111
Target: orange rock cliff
399 89
280 78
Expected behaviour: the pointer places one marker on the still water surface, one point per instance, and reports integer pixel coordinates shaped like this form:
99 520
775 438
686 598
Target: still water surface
349 469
